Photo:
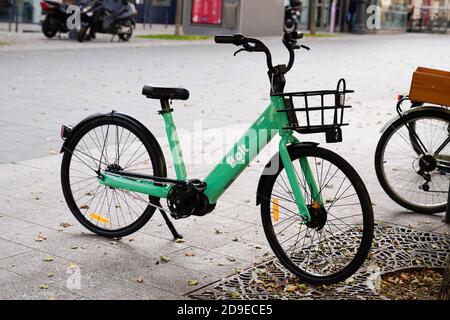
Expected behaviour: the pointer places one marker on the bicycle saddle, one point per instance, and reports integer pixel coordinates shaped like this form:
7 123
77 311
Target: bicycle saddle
165 93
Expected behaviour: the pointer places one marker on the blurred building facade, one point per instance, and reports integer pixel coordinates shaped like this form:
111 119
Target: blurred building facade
332 15
399 15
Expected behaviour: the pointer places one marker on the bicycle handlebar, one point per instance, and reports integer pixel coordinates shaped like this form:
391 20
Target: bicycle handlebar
255 45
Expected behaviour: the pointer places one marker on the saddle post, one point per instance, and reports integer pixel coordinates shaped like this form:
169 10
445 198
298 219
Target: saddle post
174 142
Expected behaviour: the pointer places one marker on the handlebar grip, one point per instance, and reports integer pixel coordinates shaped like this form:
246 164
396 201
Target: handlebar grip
224 39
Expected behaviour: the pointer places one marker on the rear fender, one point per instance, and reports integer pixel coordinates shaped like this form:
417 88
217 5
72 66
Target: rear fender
415 109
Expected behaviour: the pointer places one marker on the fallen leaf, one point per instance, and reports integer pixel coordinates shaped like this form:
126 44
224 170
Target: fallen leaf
50 275
131 239
164 259
51 298
51 151
218 231
189 254
238 270
48 259
235 239
305 287
140 280
192 282
84 206
40 238
231 259
291 288
65 225
44 286
72 266
257 247
180 241
220 264
74 247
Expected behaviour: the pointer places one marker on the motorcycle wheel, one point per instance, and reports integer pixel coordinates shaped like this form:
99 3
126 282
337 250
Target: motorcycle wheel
290 25
47 29
126 35
82 34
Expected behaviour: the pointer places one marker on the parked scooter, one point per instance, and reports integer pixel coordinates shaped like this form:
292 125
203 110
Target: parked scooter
292 15
55 18
100 16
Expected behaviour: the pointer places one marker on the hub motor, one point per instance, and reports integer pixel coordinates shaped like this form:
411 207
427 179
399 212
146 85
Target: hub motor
318 216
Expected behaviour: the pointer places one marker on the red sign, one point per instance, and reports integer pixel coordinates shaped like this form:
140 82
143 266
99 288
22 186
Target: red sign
206 11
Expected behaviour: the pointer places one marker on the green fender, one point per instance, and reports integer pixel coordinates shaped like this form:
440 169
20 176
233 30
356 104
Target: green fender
159 156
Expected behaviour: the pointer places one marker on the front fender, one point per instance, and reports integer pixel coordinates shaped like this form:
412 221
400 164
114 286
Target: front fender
268 171
415 109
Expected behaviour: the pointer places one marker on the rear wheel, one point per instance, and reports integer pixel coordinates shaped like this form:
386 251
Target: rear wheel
126 32
48 29
109 143
336 242
403 170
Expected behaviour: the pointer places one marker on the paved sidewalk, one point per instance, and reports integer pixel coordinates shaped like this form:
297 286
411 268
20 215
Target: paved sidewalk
43 249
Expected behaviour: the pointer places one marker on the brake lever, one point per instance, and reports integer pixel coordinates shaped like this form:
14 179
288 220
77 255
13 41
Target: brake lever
240 50
305 47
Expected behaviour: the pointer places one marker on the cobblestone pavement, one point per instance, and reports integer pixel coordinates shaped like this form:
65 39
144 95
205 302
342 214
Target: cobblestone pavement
47 83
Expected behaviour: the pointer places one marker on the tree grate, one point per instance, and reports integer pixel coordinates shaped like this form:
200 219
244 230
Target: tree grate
395 247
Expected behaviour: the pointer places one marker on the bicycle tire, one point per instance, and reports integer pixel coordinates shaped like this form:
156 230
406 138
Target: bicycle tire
366 208
379 156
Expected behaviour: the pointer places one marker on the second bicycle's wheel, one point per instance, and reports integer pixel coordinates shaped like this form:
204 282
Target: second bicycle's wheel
401 168
337 241
109 143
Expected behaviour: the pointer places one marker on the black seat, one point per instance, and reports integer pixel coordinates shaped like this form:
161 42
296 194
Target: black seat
165 93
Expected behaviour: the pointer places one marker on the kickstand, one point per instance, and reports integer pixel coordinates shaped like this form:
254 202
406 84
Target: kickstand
112 39
170 225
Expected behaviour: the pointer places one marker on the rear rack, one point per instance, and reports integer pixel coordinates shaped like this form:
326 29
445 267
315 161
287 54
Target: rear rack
324 114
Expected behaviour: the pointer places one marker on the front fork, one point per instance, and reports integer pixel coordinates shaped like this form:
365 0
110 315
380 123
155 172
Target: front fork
294 179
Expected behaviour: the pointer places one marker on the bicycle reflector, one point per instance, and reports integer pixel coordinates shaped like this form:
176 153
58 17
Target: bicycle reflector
400 97
275 210
65 131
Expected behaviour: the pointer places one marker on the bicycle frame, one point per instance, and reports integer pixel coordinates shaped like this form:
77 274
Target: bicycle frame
260 133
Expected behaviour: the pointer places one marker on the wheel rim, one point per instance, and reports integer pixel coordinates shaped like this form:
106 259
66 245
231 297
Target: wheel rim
400 163
319 252
112 148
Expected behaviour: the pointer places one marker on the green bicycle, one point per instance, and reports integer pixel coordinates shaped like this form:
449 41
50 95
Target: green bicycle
316 212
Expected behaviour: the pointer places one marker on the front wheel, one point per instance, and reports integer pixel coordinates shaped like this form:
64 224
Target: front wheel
109 143
82 34
290 25
335 243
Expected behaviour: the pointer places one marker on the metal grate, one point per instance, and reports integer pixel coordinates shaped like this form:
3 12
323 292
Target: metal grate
395 247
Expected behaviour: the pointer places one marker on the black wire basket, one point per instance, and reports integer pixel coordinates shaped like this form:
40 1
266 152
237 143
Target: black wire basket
323 111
